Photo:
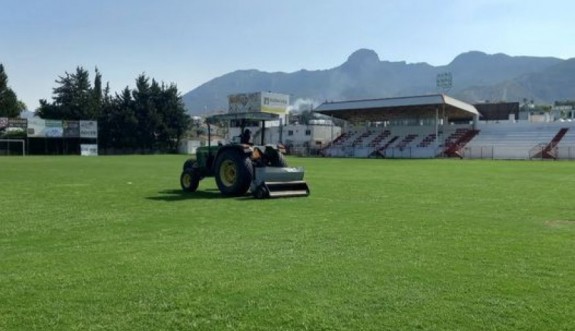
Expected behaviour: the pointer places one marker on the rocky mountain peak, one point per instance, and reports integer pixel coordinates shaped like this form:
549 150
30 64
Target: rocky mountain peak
363 57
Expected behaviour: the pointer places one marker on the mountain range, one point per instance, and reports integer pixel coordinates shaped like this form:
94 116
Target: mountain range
476 77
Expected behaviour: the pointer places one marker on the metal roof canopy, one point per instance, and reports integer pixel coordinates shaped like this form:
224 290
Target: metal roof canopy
254 116
376 110
251 116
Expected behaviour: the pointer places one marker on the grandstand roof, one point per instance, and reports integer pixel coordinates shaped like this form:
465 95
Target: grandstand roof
398 108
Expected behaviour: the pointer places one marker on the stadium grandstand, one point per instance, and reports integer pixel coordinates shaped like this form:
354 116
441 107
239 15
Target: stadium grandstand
441 126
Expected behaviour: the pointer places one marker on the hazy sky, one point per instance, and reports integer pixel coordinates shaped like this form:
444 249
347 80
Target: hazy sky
189 42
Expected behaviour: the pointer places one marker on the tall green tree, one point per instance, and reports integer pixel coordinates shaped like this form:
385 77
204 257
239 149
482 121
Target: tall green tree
150 117
10 106
145 111
161 114
118 124
74 98
175 120
98 95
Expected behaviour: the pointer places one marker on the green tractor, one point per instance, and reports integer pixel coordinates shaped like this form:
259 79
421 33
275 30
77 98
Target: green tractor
242 167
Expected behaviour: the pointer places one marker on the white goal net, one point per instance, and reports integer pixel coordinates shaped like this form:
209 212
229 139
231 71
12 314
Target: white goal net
12 147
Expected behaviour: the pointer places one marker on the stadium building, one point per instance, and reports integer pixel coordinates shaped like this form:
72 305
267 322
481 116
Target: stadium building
441 126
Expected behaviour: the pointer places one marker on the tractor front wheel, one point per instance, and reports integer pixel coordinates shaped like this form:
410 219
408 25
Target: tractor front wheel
233 172
189 180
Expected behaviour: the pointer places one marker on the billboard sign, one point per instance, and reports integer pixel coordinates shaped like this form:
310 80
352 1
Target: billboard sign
54 129
71 129
244 103
3 122
89 129
18 123
88 149
274 103
266 102
40 128
13 123
36 127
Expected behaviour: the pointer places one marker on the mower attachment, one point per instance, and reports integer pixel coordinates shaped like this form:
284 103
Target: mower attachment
276 182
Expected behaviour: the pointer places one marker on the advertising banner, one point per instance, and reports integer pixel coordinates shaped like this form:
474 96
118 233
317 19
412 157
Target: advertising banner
244 102
88 150
89 129
71 129
18 123
274 103
36 127
13 123
3 122
267 102
54 129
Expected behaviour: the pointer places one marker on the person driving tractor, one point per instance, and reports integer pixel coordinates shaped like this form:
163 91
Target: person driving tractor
245 136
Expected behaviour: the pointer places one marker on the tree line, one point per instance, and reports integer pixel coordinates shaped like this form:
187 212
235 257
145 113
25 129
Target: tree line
149 117
10 106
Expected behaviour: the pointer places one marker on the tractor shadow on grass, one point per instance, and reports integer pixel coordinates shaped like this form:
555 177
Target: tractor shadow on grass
179 195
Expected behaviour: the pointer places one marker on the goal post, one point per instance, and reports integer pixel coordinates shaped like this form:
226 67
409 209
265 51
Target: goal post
12 147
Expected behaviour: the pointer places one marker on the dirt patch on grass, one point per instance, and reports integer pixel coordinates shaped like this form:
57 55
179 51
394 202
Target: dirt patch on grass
560 223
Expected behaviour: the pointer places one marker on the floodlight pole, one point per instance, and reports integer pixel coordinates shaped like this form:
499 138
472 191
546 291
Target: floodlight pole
331 119
436 129
445 82
280 133
262 135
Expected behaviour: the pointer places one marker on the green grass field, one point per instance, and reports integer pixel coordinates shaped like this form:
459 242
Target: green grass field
110 243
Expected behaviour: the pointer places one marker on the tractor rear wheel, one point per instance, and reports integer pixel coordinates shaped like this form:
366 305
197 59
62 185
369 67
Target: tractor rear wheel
190 180
233 172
